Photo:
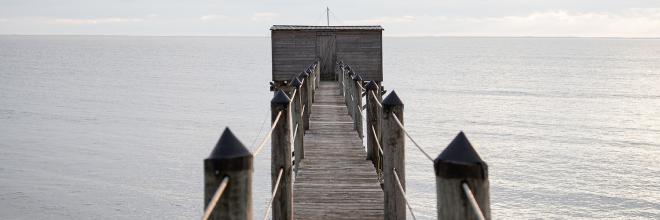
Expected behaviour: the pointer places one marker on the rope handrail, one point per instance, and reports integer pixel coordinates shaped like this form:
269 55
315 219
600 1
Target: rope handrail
377 102
293 95
403 192
473 201
277 186
373 130
413 140
277 119
216 198
361 87
295 133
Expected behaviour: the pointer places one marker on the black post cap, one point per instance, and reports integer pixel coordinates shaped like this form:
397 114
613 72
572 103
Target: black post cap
280 98
459 160
296 83
230 152
392 99
371 85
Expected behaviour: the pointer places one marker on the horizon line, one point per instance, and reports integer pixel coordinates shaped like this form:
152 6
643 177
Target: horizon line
387 36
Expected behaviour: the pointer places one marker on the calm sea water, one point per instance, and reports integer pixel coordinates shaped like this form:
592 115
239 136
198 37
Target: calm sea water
95 127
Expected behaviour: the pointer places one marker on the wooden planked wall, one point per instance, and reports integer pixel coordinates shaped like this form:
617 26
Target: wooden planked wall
294 50
363 51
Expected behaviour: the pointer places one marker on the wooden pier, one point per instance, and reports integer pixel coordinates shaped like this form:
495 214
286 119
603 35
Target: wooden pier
320 168
334 181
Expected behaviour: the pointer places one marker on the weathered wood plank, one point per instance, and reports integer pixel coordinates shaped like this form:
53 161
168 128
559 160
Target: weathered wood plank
334 180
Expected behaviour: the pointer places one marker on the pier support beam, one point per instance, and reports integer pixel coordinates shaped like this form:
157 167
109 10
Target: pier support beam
393 158
281 140
459 163
231 160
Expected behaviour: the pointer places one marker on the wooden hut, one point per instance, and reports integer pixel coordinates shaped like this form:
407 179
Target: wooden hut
294 47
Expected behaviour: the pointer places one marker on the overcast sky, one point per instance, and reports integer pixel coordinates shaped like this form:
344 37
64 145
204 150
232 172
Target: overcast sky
599 18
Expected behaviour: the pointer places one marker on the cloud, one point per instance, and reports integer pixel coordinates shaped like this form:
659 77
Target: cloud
67 21
212 17
382 20
264 16
632 22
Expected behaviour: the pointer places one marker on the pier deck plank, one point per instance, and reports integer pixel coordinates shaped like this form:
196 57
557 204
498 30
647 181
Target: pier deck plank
335 181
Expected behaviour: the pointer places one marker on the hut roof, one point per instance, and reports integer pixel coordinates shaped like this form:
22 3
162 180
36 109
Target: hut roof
325 28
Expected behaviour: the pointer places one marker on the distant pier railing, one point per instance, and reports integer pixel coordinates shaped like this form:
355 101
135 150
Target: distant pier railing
462 184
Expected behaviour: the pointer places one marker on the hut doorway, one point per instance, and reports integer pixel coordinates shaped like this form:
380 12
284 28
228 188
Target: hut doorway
327 56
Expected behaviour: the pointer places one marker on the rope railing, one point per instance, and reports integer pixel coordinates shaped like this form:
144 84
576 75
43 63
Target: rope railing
361 87
216 198
263 142
473 201
293 95
373 130
277 186
403 192
375 99
396 119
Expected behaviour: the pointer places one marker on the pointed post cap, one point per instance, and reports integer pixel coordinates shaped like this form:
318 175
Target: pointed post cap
229 153
460 161
296 83
371 85
392 99
357 77
280 98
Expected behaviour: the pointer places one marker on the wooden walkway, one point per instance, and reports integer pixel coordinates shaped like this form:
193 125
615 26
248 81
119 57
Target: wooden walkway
335 181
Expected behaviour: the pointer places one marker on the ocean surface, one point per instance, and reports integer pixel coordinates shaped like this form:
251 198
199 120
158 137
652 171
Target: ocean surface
111 127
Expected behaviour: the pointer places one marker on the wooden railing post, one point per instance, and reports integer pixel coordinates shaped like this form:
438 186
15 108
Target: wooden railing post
373 122
281 157
340 79
357 93
393 157
347 93
299 131
317 69
459 163
306 99
229 159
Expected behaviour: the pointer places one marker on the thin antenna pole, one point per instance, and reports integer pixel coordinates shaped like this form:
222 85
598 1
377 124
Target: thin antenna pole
327 14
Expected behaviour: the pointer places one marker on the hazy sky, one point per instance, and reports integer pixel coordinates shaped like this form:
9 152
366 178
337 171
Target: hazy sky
602 18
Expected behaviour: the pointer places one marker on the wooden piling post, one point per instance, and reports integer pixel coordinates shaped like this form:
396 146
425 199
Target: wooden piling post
306 99
296 103
349 93
340 79
357 93
229 159
281 157
393 157
373 122
347 96
317 68
459 163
